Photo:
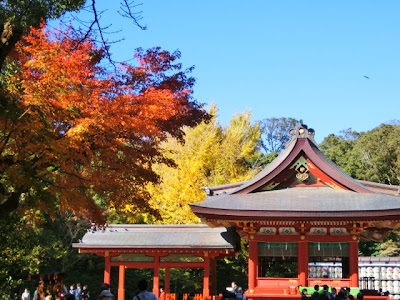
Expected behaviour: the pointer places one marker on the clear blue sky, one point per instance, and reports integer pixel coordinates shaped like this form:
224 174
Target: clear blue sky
281 58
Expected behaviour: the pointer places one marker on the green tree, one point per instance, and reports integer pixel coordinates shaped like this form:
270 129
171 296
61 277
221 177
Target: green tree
17 16
275 133
372 156
338 148
37 244
376 155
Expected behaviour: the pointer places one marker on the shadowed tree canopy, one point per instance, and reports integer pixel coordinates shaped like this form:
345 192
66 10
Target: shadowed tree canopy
70 132
16 16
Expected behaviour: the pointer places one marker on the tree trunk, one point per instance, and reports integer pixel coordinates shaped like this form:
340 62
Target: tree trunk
11 204
9 36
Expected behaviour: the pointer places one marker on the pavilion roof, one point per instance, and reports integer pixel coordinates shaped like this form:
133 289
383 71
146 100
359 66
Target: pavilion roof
300 203
300 183
154 237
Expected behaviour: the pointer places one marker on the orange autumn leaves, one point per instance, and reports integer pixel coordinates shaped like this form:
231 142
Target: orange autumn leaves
81 132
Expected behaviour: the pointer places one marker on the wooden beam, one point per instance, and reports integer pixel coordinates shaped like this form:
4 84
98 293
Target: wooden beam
151 265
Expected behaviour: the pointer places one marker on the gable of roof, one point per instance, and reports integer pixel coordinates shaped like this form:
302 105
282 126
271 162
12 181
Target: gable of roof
300 183
303 164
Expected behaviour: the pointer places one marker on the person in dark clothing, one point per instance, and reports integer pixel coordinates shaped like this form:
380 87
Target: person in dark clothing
226 295
315 295
239 294
144 294
105 293
333 293
325 293
304 295
340 296
69 296
85 293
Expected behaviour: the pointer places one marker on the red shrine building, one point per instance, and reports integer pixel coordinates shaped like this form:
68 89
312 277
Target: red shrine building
302 217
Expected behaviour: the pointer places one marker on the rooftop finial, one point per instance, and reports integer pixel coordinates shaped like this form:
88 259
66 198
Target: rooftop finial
301 131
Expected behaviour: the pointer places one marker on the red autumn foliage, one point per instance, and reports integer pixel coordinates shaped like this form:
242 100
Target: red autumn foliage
70 132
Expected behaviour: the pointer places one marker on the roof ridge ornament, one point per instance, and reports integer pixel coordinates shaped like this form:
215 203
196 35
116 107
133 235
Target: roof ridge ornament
301 131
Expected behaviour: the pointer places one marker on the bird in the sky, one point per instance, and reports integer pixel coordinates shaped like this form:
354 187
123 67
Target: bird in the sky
366 77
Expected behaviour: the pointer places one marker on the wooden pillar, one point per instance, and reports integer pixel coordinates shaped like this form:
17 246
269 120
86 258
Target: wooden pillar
107 268
302 262
353 263
156 276
206 278
213 270
253 264
121 283
166 280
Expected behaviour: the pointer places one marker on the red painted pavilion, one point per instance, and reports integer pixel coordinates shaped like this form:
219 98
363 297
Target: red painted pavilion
302 216
158 247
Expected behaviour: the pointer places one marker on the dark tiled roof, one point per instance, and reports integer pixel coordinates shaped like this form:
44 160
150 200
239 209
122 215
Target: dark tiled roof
155 237
281 158
313 201
382 188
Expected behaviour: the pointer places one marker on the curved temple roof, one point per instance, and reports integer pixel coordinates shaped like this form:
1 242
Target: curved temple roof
301 183
154 237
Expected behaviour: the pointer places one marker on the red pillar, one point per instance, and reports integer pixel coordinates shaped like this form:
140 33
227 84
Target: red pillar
107 268
213 267
166 280
353 263
156 276
121 283
253 264
302 262
206 278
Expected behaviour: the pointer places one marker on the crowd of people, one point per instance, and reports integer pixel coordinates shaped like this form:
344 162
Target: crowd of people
325 294
234 292
56 290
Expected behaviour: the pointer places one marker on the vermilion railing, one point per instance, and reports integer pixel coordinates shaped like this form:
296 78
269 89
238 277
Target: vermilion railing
173 296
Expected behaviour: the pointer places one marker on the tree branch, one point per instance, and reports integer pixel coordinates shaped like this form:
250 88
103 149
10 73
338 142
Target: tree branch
131 15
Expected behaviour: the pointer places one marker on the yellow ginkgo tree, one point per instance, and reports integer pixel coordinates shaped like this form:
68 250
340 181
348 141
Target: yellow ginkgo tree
210 155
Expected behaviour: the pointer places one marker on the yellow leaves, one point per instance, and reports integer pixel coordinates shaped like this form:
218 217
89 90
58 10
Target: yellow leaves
211 155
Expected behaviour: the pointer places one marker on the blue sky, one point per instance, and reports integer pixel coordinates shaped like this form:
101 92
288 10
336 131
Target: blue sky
281 58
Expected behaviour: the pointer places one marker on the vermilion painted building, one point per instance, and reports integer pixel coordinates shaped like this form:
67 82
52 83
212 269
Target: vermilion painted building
302 216
158 247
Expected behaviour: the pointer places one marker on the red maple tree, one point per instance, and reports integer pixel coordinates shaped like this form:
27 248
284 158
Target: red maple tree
71 132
